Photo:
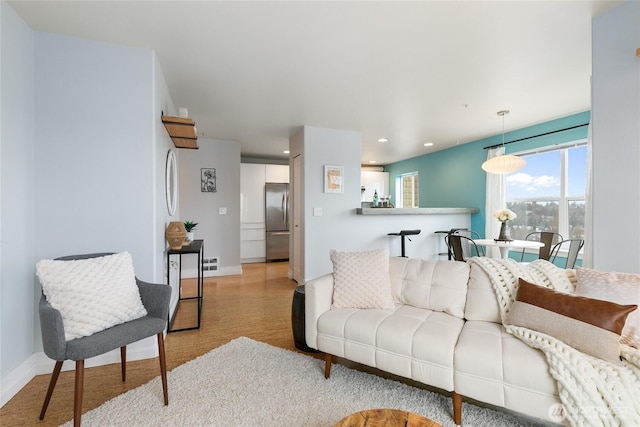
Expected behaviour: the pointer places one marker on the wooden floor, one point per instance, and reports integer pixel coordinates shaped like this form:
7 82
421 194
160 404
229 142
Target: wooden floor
256 304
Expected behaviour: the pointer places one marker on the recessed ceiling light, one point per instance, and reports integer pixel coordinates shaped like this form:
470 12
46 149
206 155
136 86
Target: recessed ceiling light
286 151
372 161
383 139
428 144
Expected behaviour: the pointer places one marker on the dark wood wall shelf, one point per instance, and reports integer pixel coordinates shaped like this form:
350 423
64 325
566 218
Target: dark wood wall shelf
182 131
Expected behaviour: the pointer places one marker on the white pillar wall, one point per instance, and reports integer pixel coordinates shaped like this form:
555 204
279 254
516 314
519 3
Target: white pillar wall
616 139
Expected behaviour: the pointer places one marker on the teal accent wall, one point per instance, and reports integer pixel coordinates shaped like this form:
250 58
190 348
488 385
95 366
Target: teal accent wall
454 177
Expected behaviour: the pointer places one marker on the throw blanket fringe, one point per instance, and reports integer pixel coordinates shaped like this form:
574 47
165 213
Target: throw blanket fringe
593 392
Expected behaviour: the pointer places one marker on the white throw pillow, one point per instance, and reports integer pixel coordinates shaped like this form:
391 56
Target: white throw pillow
621 288
361 279
91 294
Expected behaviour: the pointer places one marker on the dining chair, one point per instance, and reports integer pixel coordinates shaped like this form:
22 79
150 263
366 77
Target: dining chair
462 247
549 238
446 233
575 245
154 297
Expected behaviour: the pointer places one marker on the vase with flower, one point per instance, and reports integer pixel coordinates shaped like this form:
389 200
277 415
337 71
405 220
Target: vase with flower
504 216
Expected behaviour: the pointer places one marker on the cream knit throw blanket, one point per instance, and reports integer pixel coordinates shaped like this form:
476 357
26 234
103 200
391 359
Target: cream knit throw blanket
593 392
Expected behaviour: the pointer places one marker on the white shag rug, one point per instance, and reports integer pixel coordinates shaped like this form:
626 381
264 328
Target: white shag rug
249 383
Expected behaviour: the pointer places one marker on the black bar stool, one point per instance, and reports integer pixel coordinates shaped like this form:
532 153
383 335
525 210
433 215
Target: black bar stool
403 234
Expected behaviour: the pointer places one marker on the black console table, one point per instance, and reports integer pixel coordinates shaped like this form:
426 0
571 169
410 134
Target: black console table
195 247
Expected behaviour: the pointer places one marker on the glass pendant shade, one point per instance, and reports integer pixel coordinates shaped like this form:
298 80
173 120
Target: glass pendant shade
504 164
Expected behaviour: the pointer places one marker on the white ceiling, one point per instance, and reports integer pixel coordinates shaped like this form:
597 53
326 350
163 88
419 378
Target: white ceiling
413 72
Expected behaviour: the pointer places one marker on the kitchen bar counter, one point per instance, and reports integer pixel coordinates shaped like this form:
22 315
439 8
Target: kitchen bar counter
415 211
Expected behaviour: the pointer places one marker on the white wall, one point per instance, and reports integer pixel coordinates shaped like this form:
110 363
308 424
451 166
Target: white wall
95 153
336 227
16 196
163 143
83 148
94 149
616 139
221 233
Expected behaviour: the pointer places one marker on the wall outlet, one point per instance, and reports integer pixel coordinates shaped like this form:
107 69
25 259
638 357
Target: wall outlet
222 211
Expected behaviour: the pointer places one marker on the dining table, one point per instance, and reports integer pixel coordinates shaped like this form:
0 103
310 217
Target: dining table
506 246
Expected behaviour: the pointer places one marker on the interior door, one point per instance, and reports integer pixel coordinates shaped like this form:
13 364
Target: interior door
296 252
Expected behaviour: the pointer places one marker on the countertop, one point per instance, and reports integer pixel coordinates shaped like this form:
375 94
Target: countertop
415 211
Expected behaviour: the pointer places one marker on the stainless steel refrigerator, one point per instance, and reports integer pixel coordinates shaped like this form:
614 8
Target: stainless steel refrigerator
276 198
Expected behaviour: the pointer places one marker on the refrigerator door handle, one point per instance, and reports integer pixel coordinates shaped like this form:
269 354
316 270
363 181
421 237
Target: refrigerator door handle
284 209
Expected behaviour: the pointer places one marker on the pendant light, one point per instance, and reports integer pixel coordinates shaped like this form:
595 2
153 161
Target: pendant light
504 163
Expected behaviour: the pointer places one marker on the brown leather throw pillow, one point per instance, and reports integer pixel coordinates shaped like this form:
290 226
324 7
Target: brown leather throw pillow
589 325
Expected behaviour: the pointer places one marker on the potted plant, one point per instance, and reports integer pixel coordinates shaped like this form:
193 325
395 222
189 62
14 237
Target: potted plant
190 226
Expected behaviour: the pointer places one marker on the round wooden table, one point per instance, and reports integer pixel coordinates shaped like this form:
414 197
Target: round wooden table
386 418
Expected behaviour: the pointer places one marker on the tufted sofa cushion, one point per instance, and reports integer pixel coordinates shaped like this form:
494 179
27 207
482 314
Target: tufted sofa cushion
493 366
432 285
481 297
411 342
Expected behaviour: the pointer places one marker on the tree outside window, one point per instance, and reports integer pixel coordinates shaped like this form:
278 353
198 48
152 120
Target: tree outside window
548 194
407 187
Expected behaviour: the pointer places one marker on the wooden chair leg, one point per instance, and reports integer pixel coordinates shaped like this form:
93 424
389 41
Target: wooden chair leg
123 362
328 358
52 385
163 368
77 395
457 408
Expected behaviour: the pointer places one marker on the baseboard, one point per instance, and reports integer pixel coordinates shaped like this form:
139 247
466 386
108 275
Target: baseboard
253 260
40 364
13 382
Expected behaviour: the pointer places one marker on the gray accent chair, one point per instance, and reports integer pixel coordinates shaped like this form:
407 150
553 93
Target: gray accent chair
155 298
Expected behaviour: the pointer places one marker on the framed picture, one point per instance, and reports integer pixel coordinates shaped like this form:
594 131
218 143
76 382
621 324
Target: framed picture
208 180
333 179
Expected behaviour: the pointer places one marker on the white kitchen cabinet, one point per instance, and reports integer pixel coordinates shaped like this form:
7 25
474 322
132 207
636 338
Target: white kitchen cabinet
252 227
252 177
277 173
373 181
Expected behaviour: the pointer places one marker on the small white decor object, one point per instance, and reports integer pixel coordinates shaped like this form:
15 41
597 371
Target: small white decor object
91 294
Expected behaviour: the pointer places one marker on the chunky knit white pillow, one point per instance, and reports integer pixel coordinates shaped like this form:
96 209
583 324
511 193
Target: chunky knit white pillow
91 294
361 279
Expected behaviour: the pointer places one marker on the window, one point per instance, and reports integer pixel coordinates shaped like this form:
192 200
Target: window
548 194
407 190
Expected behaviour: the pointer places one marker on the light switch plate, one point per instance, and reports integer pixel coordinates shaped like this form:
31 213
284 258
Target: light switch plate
222 211
317 211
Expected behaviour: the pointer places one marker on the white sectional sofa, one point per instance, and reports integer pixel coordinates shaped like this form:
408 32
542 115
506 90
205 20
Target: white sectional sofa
444 331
